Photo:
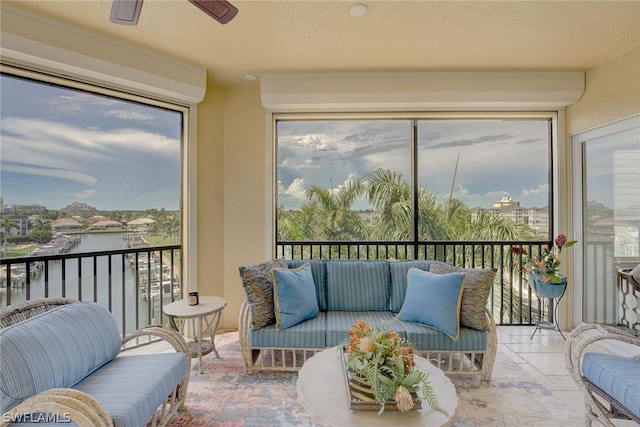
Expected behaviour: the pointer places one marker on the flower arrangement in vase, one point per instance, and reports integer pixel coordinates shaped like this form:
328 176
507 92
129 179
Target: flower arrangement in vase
546 266
386 363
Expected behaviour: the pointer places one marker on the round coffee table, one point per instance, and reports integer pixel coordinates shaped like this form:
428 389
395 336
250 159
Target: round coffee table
207 307
322 388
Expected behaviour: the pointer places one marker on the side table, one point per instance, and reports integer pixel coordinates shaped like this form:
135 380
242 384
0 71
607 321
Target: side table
205 318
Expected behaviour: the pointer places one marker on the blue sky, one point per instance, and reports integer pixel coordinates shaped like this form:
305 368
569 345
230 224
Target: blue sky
496 158
60 146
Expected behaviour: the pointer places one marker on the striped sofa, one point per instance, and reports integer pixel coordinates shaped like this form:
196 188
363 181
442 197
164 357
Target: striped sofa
373 290
63 363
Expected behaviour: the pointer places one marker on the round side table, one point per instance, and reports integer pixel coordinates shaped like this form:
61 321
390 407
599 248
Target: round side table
205 318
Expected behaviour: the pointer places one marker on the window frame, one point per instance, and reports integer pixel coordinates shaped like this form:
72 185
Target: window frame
188 150
556 119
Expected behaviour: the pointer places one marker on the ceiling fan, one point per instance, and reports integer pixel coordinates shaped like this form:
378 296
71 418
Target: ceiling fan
127 12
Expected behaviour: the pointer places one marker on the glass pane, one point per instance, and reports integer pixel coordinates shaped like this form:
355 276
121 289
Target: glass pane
483 179
611 218
325 173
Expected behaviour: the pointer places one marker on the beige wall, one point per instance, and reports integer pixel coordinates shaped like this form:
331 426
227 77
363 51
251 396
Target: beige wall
612 92
231 192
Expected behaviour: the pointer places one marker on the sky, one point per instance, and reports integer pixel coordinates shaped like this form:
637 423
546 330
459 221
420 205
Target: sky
59 146
495 158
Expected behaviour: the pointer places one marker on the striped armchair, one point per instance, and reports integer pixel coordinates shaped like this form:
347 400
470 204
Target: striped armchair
59 363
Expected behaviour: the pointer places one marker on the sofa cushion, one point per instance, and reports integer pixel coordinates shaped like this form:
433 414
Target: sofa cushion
433 300
257 282
618 376
357 285
308 334
319 272
294 296
340 322
132 387
426 338
55 349
398 271
476 287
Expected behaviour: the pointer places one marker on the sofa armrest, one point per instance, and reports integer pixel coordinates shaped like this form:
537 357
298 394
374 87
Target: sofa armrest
76 405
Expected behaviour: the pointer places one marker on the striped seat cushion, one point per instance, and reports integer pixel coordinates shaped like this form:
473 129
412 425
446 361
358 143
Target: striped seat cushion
55 349
340 322
426 338
132 387
308 334
357 285
618 376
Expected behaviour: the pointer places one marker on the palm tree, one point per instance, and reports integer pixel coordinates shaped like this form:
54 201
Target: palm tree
390 194
7 224
329 213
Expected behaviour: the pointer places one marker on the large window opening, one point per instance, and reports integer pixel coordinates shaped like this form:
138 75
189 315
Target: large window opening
413 179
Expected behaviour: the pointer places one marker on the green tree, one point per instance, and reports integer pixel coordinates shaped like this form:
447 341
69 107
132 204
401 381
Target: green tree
7 224
328 214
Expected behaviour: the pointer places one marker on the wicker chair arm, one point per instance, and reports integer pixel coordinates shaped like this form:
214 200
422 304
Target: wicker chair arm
576 346
76 405
172 337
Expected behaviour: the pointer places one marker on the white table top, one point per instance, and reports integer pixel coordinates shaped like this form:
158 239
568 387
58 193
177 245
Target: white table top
322 388
205 307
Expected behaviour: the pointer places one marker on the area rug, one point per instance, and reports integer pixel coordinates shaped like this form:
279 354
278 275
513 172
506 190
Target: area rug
223 395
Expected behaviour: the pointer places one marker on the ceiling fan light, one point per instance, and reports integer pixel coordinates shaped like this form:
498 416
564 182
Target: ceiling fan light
125 12
220 10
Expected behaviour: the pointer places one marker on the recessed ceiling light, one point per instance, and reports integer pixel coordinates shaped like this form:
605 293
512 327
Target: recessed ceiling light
250 77
358 9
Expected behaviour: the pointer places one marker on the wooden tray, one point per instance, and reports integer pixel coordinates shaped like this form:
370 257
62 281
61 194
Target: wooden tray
361 396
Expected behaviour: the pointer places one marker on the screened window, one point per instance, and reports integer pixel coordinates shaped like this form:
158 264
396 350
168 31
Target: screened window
408 178
66 146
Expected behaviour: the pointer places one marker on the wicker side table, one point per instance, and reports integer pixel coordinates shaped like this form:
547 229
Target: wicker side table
205 318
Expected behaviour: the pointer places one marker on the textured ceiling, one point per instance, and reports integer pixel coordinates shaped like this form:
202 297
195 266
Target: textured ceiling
321 36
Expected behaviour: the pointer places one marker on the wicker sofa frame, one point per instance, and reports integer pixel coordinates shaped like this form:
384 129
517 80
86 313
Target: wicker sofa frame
291 359
80 407
599 406
276 358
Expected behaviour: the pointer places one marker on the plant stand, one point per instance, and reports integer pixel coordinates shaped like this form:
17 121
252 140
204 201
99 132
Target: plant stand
550 296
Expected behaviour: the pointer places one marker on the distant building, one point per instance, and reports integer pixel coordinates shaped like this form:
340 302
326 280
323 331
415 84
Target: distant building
22 222
106 225
536 218
23 208
65 224
77 207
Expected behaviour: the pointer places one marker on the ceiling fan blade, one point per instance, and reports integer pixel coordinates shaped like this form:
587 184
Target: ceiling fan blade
125 12
220 10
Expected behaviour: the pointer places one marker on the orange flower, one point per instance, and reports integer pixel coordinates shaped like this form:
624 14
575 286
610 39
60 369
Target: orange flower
366 345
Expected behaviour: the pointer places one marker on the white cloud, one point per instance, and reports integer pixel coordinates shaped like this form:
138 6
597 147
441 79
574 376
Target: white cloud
129 115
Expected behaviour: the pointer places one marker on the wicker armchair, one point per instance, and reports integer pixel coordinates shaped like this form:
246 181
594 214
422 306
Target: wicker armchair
600 406
80 407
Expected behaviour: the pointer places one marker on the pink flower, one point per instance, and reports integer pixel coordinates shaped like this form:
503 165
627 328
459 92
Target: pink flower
366 345
561 239
403 399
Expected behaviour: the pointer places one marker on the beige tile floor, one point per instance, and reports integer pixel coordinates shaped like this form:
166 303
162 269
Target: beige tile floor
543 358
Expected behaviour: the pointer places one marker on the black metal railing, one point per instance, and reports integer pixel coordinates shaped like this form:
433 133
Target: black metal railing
511 299
134 283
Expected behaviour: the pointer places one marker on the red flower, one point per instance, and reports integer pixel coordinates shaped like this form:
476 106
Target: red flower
517 250
561 239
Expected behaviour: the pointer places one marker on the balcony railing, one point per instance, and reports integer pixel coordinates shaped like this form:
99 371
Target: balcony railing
134 284
511 299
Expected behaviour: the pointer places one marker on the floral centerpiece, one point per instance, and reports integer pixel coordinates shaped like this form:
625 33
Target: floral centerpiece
546 266
386 362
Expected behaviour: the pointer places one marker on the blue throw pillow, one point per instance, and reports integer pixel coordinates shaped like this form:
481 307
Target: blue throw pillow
294 296
433 300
